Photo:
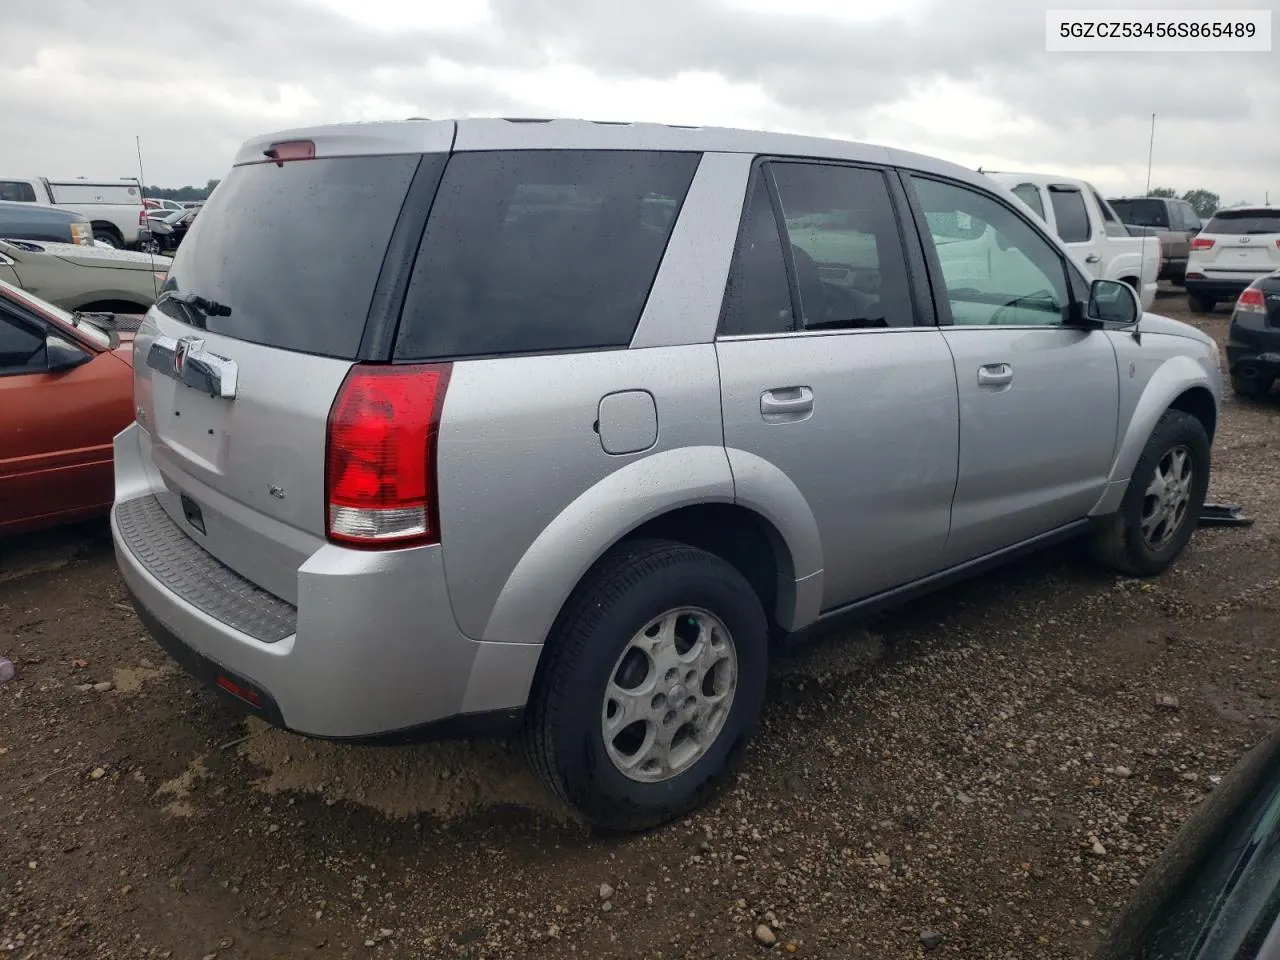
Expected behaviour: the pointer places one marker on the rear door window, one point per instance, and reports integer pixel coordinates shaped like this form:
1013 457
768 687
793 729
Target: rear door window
536 251
1069 210
1244 222
295 250
845 247
17 191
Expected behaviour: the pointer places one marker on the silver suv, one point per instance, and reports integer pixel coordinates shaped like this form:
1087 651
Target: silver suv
553 426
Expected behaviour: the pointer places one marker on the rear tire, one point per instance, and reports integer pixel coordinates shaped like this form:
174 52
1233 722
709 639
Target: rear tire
1200 304
613 655
1254 388
107 238
1139 539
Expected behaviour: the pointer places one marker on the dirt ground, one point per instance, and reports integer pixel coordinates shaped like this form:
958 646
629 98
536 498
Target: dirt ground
986 773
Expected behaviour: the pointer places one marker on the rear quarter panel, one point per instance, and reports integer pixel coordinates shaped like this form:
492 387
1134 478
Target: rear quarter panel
529 498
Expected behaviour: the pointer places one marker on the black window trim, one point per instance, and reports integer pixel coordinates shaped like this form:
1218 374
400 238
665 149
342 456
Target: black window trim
1077 283
14 314
923 315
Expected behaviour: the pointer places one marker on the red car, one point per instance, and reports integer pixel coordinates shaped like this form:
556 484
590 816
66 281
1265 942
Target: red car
66 389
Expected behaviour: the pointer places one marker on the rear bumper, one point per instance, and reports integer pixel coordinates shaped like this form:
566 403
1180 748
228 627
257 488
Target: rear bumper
1253 348
371 651
1173 269
1217 289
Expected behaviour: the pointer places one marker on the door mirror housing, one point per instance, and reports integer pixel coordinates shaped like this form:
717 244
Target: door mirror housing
1114 303
61 355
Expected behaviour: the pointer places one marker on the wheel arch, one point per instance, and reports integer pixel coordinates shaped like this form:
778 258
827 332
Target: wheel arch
687 496
1179 384
106 226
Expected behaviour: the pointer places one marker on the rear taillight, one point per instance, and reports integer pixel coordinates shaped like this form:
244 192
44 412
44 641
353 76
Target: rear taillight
380 465
1201 243
1251 301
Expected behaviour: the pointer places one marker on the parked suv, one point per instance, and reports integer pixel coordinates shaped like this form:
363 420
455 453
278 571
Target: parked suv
1236 247
550 426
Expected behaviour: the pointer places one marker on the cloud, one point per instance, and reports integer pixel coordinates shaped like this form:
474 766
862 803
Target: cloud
955 78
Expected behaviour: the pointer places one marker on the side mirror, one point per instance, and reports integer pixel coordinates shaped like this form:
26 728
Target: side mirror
1113 302
61 355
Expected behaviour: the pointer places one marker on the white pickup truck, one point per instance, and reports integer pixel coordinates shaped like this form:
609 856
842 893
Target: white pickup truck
113 207
1089 227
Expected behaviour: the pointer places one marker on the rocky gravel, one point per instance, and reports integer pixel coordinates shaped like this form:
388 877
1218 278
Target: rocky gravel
986 773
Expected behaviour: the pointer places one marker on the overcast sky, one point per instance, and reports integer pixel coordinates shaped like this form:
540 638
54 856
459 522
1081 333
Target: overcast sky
967 80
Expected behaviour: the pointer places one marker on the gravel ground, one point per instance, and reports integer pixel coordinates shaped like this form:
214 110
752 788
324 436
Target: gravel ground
986 773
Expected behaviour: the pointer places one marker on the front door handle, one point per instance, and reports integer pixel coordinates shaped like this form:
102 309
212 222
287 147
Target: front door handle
786 403
995 375
1092 258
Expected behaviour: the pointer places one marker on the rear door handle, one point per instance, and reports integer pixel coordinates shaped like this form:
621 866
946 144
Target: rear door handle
995 375
1092 258
786 403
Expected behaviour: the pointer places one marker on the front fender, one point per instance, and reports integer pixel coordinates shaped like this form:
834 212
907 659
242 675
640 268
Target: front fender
1174 377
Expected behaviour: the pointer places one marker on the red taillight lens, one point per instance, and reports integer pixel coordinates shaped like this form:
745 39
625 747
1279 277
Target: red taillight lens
1201 243
142 217
380 462
291 150
1251 301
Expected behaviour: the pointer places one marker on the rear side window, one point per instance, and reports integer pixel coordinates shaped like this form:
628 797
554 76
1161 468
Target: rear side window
17 191
1029 194
1070 212
1237 222
1142 212
295 250
540 250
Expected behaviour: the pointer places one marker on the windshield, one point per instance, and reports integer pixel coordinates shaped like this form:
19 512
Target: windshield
1142 212
89 331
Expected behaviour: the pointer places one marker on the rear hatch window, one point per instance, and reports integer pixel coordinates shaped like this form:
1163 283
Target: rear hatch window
1142 213
540 250
294 250
1244 222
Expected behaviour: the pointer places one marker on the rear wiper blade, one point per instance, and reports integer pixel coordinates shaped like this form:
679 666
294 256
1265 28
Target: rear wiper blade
210 308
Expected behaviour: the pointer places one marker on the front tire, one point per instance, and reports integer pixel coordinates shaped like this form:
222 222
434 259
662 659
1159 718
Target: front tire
653 682
1163 502
1200 304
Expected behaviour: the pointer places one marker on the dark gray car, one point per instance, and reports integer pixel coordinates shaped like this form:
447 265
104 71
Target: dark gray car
41 222
1174 221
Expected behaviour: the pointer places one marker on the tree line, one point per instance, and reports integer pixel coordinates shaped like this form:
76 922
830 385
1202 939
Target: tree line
1205 202
181 194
